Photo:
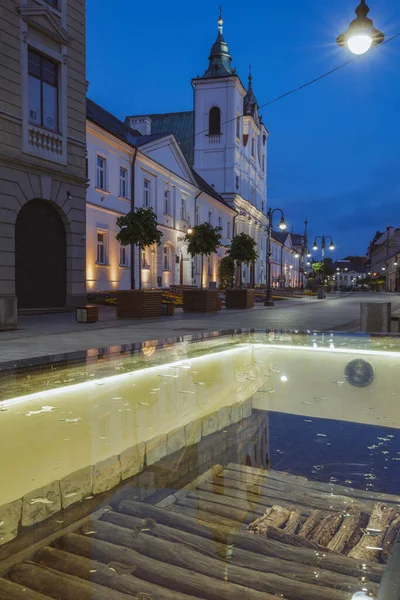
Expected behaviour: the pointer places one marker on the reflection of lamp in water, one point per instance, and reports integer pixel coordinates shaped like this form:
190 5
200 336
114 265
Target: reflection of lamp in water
360 596
148 350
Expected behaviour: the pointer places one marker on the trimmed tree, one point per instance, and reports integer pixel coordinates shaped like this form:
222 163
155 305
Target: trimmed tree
203 241
226 273
243 251
139 228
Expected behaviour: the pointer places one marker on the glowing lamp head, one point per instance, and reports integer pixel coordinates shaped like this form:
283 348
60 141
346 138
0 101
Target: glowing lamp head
298 255
190 230
315 247
308 254
282 224
332 246
395 263
361 35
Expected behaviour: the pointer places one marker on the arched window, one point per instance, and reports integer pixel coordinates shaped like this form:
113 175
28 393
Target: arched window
238 127
214 121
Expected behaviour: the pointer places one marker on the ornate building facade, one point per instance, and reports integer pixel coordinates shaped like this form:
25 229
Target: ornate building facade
42 156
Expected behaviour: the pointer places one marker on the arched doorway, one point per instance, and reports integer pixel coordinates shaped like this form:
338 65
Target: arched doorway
40 256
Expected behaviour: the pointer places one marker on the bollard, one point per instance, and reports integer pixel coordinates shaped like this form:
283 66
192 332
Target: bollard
375 317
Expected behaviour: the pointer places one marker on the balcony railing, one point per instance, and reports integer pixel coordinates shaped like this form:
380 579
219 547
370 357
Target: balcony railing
46 144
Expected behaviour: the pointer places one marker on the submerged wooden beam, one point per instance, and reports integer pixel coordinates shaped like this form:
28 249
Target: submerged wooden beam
370 545
188 519
106 575
13 591
160 572
190 560
233 554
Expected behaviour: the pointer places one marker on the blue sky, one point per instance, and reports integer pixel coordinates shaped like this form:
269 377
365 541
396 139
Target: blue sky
334 148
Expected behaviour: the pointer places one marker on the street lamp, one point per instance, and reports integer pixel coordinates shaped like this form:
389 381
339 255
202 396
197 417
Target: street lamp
323 239
361 35
282 226
190 231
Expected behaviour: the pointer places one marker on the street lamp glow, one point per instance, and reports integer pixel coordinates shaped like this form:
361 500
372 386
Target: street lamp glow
332 246
282 225
298 255
308 254
383 268
395 263
360 44
315 247
361 35
190 230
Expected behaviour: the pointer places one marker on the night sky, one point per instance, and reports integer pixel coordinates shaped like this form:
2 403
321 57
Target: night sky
334 148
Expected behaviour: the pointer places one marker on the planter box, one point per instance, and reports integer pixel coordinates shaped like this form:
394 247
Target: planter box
200 300
239 298
139 303
167 308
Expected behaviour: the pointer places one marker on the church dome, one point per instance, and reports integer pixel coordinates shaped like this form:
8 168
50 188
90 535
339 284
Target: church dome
220 64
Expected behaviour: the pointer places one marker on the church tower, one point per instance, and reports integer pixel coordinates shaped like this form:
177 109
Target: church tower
229 136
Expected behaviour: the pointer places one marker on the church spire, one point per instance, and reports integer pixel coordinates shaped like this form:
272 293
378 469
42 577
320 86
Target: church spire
250 105
220 59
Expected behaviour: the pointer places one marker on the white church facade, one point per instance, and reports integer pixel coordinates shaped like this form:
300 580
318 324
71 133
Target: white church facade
208 164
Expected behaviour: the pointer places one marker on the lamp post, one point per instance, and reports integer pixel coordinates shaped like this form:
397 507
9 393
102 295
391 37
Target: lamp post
323 239
282 226
361 35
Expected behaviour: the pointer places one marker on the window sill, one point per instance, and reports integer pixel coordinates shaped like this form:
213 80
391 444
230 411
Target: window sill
124 198
166 270
102 264
146 268
123 266
106 192
213 134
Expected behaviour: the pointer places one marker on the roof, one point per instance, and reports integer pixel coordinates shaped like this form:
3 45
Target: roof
297 239
181 124
208 189
280 236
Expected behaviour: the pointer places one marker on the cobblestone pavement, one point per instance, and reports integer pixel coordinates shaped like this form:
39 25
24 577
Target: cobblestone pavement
59 333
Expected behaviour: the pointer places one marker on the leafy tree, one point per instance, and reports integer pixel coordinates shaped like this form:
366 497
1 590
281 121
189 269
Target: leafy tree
243 251
204 240
139 228
226 273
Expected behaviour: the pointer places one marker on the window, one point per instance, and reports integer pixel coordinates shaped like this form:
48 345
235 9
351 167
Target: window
197 216
209 216
145 264
53 2
214 121
166 258
262 206
166 201
252 194
209 266
42 91
123 256
220 222
238 128
252 147
146 192
183 208
101 173
228 230
123 182
101 248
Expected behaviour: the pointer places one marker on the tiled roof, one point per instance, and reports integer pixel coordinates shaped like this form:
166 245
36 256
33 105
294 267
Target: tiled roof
181 124
280 236
203 185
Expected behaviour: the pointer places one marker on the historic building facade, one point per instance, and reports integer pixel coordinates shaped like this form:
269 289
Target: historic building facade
225 141
129 169
42 156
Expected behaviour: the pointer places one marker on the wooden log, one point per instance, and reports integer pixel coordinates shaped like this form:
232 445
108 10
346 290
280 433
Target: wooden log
171 553
390 538
350 524
358 533
102 574
310 524
59 586
12 591
260 498
159 572
293 523
186 519
235 555
326 488
286 492
276 516
369 547
241 511
326 530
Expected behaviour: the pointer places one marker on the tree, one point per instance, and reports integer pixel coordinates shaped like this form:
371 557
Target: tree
204 240
139 228
226 273
243 251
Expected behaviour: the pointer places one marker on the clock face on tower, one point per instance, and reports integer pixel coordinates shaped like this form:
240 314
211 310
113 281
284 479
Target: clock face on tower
359 372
